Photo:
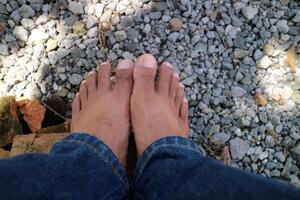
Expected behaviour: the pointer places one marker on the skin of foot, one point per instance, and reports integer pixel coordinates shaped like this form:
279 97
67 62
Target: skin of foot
104 111
158 109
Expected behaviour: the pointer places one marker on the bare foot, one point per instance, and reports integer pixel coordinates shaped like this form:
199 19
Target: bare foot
104 112
158 111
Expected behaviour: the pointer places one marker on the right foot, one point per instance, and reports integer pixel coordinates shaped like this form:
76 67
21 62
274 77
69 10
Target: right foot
157 111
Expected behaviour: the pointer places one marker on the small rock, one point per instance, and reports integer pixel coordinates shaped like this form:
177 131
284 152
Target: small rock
268 49
249 12
42 19
4 49
215 129
93 32
51 44
21 33
75 79
238 148
296 18
282 26
279 156
263 117
28 23
220 138
243 122
284 2
105 17
38 51
237 91
37 36
147 29
76 7
91 22
79 28
240 53
120 35
270 141
264 62
62 92
76 52
26 11
132 34
173 37
263 155
99 9
175 24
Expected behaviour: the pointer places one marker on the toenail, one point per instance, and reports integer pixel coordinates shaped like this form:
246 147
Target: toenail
91 72
103 64
168 64
148 62
125 64
83 82
185 100
176 75
180 85
77 94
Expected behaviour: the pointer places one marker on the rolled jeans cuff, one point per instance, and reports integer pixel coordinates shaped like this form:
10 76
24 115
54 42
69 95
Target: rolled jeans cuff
102 151
184 145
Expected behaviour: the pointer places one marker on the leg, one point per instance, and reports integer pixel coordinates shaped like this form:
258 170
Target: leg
81 166
170 165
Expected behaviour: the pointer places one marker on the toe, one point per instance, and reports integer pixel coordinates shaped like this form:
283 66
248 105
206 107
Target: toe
174 86
104 71
91 82
76 105
144 73
184 116
184 109
179 96
164 81
124 79
83 93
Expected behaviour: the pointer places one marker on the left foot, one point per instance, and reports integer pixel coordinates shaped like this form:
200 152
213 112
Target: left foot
103 111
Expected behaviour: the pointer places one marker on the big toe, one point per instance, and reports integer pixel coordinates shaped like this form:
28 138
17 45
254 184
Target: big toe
144 72
124 78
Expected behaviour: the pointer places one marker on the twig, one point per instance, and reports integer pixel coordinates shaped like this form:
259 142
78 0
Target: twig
55 112
222 39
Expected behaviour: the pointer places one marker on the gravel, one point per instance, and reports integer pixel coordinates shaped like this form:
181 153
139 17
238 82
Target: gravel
225 51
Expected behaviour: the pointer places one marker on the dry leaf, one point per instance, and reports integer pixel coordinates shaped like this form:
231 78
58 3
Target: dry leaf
292 59
2 27
226 155
34 114
260 99
13 109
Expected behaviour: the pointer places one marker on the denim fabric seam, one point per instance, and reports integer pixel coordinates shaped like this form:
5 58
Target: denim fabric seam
102 156
153 150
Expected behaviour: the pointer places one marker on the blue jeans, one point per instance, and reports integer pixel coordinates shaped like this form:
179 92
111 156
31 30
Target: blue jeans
83 167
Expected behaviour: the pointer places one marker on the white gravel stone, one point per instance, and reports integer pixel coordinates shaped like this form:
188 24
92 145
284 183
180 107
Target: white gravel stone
4 49
76 7
249 12
37 36
21 33
264 62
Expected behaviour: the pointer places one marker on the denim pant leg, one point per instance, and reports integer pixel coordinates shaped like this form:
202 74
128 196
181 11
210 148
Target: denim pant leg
175 168
78 167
